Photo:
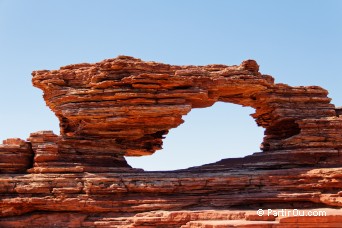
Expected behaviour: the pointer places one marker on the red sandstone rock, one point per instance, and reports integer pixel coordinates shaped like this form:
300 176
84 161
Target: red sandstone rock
15 156
124 194
132 104
54 154
125 106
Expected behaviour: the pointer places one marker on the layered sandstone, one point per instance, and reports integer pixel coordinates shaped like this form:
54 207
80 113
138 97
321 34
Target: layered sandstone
143 199
125 107
128 106
53 154
15 156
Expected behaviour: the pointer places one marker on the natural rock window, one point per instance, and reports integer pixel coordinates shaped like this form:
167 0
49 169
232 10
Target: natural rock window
125 107
207 135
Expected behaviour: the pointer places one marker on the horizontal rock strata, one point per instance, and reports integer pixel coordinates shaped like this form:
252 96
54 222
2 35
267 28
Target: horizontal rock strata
56 155
124 195
183 219
99 101
125 107
15 156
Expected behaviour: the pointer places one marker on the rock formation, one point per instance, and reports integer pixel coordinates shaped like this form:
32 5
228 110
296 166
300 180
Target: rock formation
125 107
16 156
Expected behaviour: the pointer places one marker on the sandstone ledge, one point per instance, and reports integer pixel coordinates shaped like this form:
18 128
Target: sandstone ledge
177 190
16 156
183 219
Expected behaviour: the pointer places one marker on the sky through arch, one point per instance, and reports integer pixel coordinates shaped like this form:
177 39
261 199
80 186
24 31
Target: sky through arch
207 135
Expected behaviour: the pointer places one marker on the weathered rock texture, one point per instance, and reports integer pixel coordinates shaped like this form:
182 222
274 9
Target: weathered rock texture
53 154
124 107
128 106
16 156
143 199
133 104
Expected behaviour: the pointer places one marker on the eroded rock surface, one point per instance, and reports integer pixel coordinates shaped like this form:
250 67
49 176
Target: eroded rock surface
16 156
125 107
133 104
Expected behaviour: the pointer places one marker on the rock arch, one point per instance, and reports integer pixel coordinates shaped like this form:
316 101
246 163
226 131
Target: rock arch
125 106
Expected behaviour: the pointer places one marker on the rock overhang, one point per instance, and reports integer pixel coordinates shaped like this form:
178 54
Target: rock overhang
135 103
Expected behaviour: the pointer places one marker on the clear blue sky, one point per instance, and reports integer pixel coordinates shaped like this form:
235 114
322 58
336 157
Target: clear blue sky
298 42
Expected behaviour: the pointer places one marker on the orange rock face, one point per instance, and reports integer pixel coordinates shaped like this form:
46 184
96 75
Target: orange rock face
16 156
124 107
